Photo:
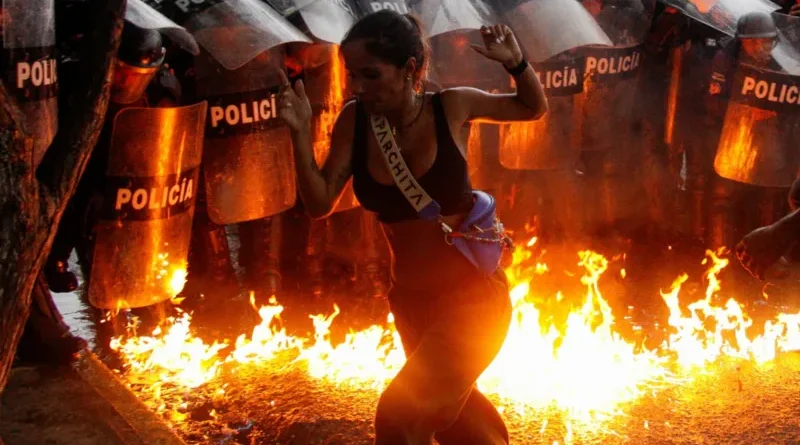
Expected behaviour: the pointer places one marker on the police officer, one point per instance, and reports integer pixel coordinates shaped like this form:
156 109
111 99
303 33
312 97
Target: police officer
210 264
139 80
730 209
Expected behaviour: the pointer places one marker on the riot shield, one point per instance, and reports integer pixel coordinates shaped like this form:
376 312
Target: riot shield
787 48
365 7
232 31
324 20
721 15
247 159
143 16
452 25
549 31
552 142
610 85
29 40
546 28
142 245
328 90
443 16
758 144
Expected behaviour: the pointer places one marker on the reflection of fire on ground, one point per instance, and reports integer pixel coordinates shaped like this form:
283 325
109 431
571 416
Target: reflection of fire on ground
563 352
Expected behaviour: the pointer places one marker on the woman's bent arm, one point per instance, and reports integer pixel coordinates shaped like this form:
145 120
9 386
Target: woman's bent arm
320 189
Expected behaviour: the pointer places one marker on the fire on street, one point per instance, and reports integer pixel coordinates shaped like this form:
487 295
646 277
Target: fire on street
566 373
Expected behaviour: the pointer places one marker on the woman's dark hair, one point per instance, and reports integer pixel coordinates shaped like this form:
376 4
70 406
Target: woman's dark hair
393 38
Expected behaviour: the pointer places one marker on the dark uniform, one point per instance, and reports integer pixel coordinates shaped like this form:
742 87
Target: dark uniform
731 213
138 48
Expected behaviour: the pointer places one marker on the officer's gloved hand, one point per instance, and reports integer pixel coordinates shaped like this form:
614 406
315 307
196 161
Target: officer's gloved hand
762 248
166 88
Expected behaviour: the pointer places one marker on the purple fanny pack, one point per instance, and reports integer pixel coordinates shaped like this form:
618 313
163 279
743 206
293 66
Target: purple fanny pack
481 237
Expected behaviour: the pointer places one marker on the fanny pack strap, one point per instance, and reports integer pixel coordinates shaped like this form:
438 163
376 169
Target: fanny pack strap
426 207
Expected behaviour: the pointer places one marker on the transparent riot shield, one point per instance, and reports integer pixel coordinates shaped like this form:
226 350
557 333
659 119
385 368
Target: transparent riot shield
552 142
364 7
324 20
546 28
328 90
549 31
143 16
29 40
443 16
787 48
232 31
143 234
247 159
758 144
721 15
610 86
452 26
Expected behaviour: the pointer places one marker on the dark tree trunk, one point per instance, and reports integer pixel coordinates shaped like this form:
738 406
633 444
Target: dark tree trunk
32 202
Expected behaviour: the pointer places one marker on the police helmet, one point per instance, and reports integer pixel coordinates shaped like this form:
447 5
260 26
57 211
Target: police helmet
141 53
756 25
140 46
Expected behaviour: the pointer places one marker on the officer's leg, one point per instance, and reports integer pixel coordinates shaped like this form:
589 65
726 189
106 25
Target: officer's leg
69 234
698 176
209 256
46 337
56 269
722 218
259 254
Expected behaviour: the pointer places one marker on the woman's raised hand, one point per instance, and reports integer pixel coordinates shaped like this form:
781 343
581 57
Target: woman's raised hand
293 105
500 45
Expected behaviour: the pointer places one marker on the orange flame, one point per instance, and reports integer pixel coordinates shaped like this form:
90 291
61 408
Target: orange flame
541 364
333 105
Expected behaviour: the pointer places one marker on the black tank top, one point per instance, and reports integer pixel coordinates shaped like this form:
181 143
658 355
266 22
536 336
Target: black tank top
447 180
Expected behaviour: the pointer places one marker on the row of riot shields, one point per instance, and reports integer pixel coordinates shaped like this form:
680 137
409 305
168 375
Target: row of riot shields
239 46
587 54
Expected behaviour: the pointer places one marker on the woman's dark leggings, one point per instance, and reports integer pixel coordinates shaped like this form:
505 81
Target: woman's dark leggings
450 335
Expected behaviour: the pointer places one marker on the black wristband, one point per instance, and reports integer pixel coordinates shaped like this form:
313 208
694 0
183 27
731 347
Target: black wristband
519 69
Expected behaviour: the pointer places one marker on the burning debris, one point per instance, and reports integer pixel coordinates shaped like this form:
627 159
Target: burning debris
577 371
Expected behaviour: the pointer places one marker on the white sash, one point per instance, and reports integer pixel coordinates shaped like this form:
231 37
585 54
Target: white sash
417 197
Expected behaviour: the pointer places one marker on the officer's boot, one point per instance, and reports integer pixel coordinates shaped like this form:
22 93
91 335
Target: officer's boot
46 337
315 254
56 269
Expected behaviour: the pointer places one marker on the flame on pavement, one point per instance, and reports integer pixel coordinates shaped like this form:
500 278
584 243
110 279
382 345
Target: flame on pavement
542 363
